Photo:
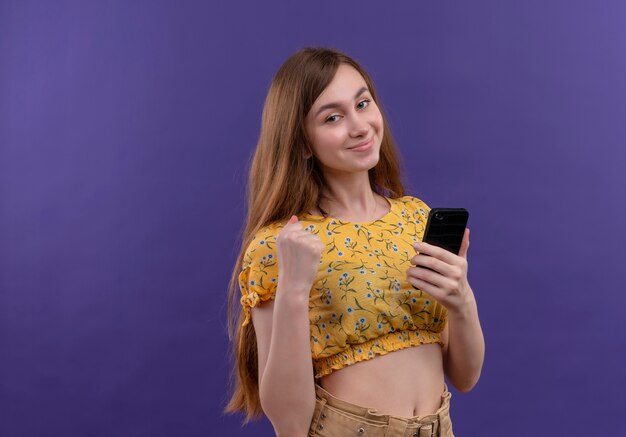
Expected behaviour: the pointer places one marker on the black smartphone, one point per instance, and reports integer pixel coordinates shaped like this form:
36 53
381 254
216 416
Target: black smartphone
445 228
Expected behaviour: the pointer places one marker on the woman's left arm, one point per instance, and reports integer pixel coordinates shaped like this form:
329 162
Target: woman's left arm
464 344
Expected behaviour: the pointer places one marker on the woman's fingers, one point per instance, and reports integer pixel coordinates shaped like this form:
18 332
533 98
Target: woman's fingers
445 282
442 260
433 263
436 252
437 293
431 277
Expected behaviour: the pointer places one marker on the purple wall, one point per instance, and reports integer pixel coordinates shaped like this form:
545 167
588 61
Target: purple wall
125 129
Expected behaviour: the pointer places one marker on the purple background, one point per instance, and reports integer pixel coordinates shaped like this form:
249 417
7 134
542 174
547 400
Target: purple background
125 132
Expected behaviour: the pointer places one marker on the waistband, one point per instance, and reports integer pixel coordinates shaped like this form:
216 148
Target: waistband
354 353
370 415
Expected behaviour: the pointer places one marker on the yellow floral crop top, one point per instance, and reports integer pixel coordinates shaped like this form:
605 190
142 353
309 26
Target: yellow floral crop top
361 303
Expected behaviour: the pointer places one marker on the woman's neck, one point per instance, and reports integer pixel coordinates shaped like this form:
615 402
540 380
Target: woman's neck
352 198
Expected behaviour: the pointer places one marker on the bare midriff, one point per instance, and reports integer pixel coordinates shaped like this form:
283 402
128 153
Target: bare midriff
407 382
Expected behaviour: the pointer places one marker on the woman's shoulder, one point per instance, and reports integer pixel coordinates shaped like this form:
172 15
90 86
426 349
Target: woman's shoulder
262 246
265 234
264 239
414 202
269 230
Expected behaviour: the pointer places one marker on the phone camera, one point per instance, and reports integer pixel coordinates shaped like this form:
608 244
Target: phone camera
438 216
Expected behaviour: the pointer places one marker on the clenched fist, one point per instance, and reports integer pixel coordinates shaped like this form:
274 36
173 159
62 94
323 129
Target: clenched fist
299 252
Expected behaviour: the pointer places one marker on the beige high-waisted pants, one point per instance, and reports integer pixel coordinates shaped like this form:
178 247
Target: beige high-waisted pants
334 417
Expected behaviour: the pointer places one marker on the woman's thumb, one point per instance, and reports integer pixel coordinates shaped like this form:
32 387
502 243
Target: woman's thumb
293 219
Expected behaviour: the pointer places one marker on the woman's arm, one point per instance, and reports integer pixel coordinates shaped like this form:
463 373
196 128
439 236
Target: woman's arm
464 344
464 347
286 385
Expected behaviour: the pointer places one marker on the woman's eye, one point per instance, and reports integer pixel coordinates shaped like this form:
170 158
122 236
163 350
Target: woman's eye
365 100
362 107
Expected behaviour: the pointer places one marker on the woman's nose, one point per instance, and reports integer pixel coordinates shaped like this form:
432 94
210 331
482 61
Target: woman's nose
358 127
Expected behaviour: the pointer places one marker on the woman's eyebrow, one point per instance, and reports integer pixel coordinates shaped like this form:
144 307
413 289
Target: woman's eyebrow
336 104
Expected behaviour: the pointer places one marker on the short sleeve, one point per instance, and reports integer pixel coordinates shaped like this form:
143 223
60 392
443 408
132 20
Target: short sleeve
259 271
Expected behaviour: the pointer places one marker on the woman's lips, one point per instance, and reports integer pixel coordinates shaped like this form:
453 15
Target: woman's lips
364 147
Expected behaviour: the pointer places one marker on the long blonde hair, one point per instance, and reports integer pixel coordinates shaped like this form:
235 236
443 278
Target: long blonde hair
283 183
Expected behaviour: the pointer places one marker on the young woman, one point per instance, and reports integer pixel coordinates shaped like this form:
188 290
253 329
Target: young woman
341 329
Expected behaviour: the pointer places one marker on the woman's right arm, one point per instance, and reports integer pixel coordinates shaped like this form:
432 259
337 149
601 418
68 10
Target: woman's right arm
286 385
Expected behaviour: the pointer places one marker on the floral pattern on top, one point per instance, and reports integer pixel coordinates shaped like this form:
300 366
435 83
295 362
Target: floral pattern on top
360 303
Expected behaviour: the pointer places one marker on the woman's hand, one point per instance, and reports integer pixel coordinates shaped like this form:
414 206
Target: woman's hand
298 252
448 282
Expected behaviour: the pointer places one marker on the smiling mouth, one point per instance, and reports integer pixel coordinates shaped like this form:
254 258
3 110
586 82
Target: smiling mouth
365 143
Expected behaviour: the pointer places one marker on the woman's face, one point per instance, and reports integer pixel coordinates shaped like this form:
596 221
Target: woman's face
342 117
